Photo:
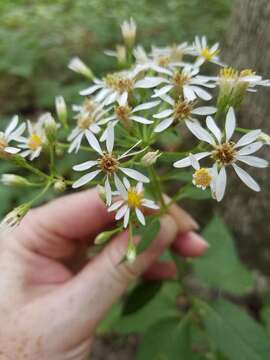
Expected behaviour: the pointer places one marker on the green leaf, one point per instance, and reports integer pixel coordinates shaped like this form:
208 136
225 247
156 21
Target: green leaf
266 317
235 333
220 266
192 192
140 296
169 339
148 233
159 307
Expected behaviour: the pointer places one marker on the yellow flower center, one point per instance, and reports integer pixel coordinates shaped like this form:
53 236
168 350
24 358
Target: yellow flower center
163 61
134 198
228 74
119 83
208 54
224 153
247 72
182 110
34 141
202 178
108 163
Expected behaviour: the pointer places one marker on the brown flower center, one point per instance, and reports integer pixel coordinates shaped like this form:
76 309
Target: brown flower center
85 121
108 163
180 79
3 143
163 61
182 110
89 105
123 112
224 153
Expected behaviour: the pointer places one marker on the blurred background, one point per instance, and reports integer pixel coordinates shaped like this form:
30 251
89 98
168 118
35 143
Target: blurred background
38 38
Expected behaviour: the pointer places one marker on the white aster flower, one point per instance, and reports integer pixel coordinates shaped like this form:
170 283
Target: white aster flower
78 66
204 52
89 118
179 111
32 144
107 163
244 80
129 29
226 153
132 199
186 82
11 133
118 86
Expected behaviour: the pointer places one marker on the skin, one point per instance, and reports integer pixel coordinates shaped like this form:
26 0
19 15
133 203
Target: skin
52 297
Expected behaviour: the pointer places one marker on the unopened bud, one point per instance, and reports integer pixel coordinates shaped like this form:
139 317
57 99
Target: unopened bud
60 185
131 253
265 138
14 180
129 29
61 110
101 193
150 158
13 219
50 126
79 67
105 236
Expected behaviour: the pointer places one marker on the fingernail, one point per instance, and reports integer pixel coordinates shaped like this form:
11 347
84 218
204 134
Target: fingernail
197 240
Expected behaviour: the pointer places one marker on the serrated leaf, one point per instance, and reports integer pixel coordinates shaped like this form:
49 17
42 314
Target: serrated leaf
235 333
220 266
140 296
168 339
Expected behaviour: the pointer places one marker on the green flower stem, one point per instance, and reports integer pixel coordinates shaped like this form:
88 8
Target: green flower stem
156 188
43 192
52 160
34 170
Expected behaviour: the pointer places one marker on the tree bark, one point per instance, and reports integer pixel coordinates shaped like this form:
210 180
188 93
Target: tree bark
248 213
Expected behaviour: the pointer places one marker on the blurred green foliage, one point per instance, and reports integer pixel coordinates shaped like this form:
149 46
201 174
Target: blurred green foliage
37 39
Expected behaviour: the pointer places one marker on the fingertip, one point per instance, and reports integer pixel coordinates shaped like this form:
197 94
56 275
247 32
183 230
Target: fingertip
190 244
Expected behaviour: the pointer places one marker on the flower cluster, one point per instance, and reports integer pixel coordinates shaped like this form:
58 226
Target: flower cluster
126 116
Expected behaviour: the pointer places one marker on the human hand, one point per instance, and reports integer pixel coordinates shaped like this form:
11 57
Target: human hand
49 308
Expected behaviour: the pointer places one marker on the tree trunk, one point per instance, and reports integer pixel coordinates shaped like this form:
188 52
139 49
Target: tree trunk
248 213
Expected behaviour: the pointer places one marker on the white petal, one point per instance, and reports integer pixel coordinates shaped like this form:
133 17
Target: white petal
120 187
126 183
246 178
186 161
150 204
139 187
162 91
146 106
140 216
110 138
212 126
134 174
85 165
201 93
163 114
115 206
194 162
149 82
250 149
126 218
122 100
200 132
85 179
90 90
253 161
141 119
230 124
121 212
12 150
102 94
12 125
220 185
163 125
93 142
188 93
248 138
204 110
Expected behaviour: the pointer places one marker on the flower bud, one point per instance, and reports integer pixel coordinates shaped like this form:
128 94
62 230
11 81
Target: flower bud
13 218
121 54
105 236
50 126
265 138
129 29
150 158
79 67
14 180
131 253
101 193
61 110
60 185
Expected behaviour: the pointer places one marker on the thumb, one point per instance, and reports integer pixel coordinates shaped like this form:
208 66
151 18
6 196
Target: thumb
104 280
